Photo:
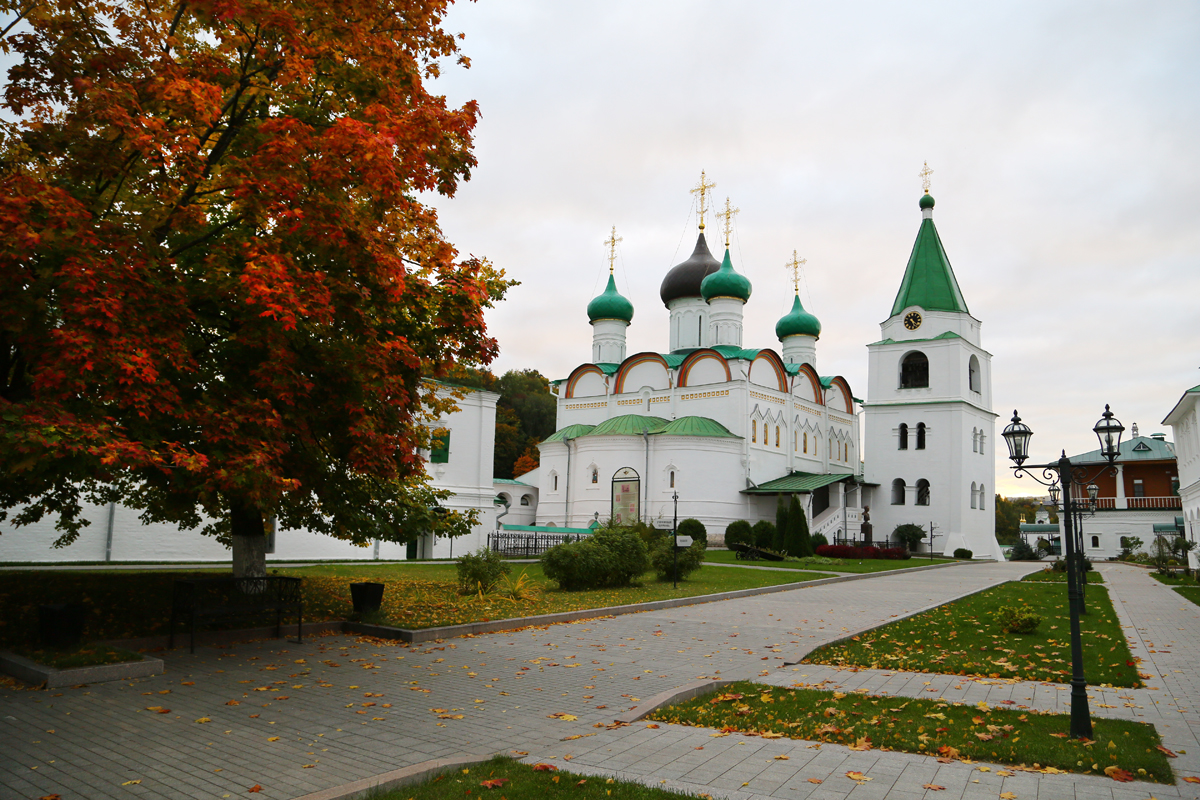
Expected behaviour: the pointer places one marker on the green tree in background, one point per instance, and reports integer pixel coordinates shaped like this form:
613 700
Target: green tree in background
525 415
779 544
799 543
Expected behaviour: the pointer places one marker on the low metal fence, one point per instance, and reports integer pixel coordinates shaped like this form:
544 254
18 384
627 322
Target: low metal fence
528 545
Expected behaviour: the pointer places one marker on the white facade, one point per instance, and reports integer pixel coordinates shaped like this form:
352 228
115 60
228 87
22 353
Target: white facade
116 533
1184 420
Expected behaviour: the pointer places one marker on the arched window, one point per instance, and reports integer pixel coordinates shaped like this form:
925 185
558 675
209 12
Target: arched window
981 437
806 441
898 491
672 479
595 475
914 371
795 441
974 495
903 436
525 500
1095 541
777 436
974 440
922 492
982 495
973 374
754 430
920 435
555 483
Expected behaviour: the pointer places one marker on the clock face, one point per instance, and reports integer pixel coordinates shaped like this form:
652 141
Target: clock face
912 320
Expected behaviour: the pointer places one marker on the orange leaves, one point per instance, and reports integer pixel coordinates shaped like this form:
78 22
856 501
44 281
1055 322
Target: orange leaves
1165 751
254 789
1191 779
544 768
863 743
493 783
563 716
858 777
158 709
1118 774
933 787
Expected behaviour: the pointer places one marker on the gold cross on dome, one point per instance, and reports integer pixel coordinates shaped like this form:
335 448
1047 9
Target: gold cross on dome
703 188
925 173
794 267
612 248
728 214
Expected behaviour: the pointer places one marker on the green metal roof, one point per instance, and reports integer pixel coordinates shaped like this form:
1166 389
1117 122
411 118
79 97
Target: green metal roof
1165 527
1140 448
1033 527
697 426
544 529
797 322
726 282
928 280
730 351
571 431
797 482
946 335
629 425
610 304
510 482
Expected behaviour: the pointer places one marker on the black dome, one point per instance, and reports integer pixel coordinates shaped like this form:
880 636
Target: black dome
684 279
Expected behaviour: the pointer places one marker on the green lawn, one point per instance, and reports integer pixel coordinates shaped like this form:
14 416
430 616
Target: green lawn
1191 593
516 781
1174 579
949 730
839 565
964 638
1048 575
84 655
131 604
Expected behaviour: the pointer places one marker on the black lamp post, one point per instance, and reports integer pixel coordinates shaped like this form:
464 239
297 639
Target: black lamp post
1061 476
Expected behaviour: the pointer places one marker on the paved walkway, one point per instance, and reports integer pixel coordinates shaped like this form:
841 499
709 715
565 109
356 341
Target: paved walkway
294 719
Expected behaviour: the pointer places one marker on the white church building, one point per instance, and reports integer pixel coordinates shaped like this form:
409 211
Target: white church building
723 428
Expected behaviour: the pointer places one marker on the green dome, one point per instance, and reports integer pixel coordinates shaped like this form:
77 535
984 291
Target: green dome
926 201
610 305
797 322
725 282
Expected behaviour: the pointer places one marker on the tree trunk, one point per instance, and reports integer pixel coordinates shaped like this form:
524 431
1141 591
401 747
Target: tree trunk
249 541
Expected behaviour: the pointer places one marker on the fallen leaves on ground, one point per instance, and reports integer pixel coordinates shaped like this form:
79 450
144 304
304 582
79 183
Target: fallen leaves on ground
857 776
1118 774
158 709
1166 752
255 788
493 783
933 787
562 716
544 768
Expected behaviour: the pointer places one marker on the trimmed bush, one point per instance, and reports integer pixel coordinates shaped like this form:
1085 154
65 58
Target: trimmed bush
764 534
964 553
1023 551
779 543
864 552
910 534
663 560
739 532
799 543
480 571
1017 619
818 540
693 528
609 557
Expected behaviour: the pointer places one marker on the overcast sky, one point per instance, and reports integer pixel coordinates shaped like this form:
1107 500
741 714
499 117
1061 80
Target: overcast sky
1063 139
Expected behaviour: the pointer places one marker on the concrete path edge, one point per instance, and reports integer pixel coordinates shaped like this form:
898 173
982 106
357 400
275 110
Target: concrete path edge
53 678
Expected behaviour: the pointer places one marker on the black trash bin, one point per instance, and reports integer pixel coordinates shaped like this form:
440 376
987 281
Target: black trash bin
60 625
367 597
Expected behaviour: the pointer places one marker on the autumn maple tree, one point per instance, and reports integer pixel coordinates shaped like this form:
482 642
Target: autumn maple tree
223 296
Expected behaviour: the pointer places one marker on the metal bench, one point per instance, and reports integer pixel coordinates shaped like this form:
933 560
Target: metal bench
205 598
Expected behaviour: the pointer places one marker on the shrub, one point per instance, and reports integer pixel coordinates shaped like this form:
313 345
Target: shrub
663 560
779 542
963 553
818 540
1017 619
798 540
764 534
480 571
520 589
739 532
693 528
910 534
1022 551
609 557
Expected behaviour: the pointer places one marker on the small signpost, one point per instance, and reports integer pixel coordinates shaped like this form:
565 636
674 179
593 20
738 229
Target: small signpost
683 541
664 524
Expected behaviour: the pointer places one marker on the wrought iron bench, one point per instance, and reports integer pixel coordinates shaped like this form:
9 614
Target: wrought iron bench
204 598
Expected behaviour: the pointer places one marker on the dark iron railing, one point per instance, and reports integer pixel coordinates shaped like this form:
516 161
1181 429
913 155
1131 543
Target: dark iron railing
527 545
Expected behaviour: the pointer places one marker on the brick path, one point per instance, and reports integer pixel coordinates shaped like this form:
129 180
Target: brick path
505 685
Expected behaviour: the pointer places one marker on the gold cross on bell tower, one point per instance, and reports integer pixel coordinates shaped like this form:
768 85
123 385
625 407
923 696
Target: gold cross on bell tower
925 173
793 267
612 242
728 214
702 188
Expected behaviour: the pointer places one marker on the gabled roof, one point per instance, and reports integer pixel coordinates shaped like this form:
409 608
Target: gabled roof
1139 448
797 482
929 281
1188 395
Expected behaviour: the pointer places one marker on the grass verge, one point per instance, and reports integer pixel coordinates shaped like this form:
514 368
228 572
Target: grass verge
85 655
1048 575
828 564
1190 592
129 605
1026 739
1174 579
965 638
515 781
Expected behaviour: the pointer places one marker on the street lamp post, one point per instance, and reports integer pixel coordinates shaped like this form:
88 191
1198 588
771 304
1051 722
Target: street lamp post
1062 476
675 543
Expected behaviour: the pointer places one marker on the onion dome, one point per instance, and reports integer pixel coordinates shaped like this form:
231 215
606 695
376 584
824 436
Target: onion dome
926 201
610 304
684 279
725 282
797 322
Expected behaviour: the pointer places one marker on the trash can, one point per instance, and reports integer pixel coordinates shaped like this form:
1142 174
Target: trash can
60 625
367 597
